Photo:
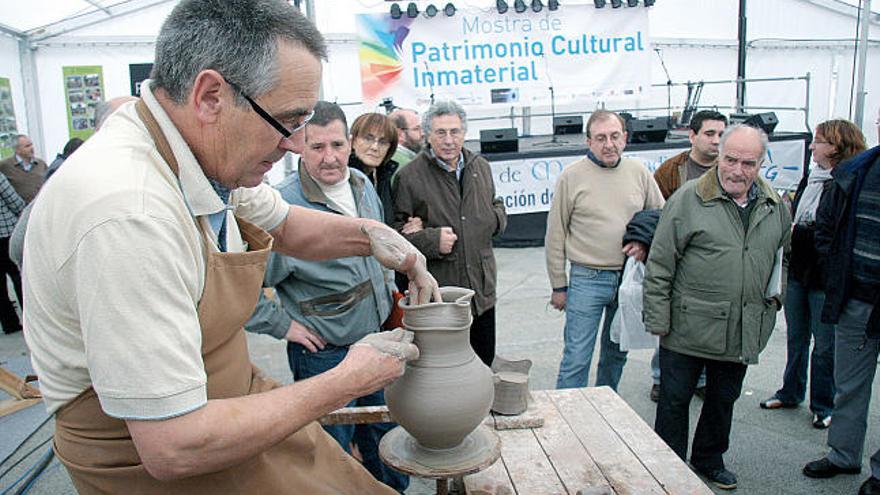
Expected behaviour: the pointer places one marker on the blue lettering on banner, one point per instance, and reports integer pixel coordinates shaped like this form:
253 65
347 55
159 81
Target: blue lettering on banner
547 170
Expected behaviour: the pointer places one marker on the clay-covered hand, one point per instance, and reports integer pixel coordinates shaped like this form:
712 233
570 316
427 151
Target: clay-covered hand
396 253
303 336
397 342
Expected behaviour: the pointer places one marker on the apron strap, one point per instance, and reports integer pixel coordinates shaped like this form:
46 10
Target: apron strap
158 136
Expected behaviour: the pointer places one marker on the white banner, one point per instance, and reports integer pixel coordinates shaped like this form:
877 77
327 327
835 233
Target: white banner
526 186
482 58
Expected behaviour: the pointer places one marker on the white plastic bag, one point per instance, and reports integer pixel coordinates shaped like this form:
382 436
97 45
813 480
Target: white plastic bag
627 327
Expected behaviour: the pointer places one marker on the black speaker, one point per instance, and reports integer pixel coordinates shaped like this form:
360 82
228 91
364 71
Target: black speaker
499 140
647 130
764 121
568 125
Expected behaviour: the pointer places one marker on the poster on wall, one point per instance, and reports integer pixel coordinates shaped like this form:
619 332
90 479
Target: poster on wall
8 127
84 88
485 59
138 73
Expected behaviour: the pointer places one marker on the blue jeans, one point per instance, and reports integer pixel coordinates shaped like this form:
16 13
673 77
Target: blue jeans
803 309
590 294
305 364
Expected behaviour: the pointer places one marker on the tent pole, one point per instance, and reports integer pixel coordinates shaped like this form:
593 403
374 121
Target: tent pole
863 55
741 58
31 88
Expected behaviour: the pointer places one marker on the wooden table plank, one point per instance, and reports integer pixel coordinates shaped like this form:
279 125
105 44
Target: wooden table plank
573 464
491 481
529 468
655 455
620 466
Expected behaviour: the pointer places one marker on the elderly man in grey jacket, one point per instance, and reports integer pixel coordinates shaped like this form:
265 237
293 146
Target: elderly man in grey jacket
711 293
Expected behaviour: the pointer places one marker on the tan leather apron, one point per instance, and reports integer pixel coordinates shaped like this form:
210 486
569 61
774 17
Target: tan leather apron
98 450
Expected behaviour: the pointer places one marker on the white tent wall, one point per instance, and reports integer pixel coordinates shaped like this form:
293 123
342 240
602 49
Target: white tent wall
113 59
10 68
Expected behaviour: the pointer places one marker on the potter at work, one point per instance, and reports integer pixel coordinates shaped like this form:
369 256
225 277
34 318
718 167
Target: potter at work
144 257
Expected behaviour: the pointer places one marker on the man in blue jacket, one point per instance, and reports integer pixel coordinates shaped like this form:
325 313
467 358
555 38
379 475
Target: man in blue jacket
325 306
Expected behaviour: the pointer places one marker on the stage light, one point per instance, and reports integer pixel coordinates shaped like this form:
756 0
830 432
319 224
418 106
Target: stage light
519 6
632 3
649 3
501 6
537 5
600 4
395 11
431 10
449 10
615 4
412 10
552 4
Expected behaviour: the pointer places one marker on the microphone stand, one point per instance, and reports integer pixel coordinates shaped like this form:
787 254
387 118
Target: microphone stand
668 89
554 141
430 81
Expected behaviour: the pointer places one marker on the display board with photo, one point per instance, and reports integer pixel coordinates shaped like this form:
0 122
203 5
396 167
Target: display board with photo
84 88
8 127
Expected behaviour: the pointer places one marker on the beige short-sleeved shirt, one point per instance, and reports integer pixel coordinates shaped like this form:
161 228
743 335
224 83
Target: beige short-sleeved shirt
115 267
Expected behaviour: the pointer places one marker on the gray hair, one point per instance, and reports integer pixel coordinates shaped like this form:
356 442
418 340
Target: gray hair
238 38
440 109
730 131
15 140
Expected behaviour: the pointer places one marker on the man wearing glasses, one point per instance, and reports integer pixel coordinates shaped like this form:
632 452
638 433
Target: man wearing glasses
145 256
595 198
450 189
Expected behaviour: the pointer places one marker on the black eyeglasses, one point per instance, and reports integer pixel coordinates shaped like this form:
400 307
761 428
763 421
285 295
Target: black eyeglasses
270 119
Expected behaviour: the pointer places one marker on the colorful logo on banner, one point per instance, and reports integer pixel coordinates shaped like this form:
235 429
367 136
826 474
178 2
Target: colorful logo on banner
380 53
480 58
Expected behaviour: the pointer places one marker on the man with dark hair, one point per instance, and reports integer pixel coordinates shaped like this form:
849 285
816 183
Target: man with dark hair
848 245
706 128
705 132
594 200
326 306
24 171
449 189
145 256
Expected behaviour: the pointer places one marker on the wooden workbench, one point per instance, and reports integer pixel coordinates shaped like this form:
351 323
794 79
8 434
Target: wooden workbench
591 443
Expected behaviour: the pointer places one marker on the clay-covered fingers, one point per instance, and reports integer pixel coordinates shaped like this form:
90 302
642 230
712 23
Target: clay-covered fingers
368 369
423 286
397 343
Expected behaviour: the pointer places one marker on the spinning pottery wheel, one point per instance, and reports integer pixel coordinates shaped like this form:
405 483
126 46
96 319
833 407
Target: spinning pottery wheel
442 398
479 450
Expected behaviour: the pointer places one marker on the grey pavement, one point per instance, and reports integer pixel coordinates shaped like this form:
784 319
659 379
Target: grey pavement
768 448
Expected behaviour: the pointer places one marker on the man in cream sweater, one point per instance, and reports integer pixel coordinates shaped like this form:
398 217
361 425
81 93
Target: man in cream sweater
594 200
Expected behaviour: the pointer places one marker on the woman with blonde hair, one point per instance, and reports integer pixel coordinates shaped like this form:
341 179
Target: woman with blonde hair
835 141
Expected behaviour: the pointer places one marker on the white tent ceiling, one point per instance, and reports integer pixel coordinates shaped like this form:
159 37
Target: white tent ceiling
47 18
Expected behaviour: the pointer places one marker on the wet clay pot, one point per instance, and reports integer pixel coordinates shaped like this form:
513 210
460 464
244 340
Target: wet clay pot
446 393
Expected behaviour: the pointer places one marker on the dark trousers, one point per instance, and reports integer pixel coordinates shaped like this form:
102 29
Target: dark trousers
680 373
483 336
8 317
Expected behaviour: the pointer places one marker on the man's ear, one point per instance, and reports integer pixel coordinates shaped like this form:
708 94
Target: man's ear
210 93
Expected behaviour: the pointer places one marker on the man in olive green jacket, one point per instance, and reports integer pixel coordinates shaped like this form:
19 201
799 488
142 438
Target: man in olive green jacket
711 292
